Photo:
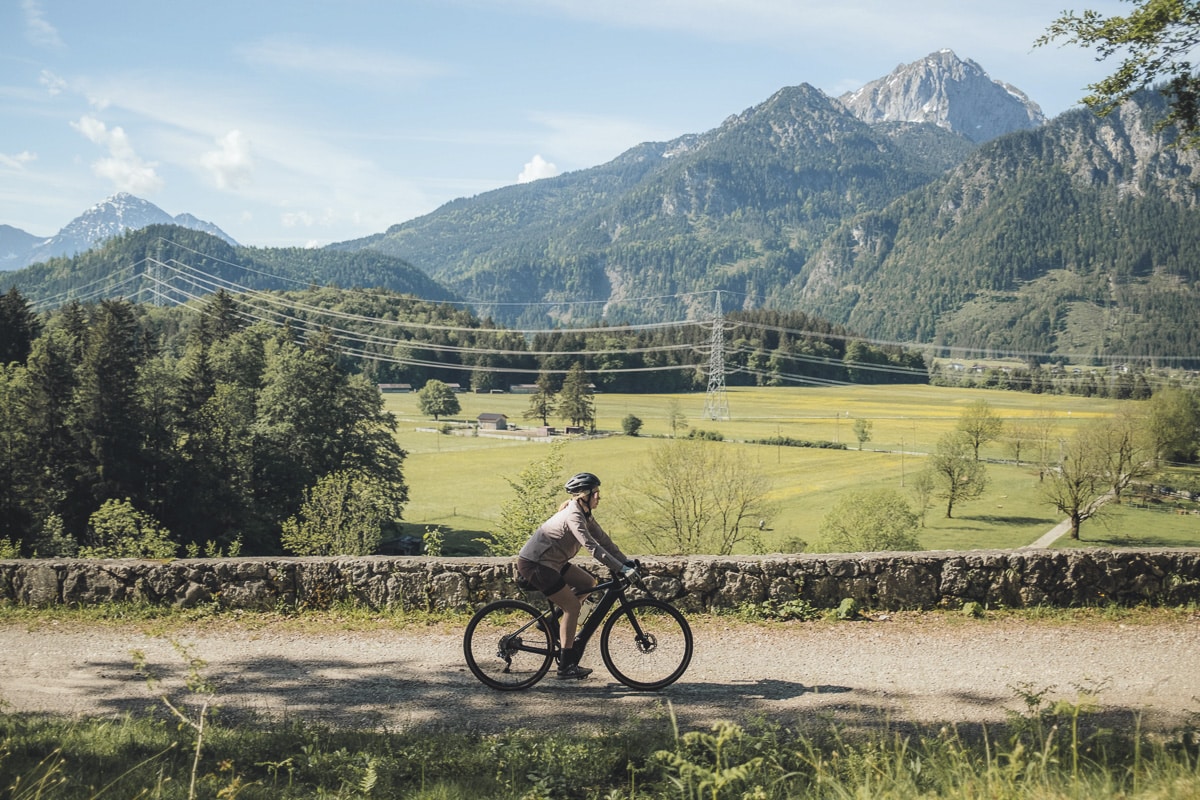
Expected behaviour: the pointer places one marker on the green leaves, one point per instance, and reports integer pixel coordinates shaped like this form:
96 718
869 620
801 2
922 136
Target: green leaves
867 521
118 530
342 515
437 399
1157 39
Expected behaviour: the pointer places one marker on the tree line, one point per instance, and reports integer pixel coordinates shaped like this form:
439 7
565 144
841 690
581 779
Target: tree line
238 439
396 338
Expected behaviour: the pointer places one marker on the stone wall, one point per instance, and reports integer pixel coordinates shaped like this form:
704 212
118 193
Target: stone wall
891 581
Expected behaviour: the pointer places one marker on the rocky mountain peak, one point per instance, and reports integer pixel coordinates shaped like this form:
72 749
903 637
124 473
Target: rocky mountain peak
111 217
951 92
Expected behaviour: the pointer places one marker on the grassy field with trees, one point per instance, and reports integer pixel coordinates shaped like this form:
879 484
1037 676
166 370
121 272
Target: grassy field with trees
459 481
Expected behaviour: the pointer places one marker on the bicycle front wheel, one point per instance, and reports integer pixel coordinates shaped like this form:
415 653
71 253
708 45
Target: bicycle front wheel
508 645
646 644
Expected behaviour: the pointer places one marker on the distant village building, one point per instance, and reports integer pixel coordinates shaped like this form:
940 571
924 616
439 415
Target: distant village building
493 422
523 388
395 387
456 387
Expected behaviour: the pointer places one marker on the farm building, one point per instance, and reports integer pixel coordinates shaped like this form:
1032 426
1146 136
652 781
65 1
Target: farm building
493 422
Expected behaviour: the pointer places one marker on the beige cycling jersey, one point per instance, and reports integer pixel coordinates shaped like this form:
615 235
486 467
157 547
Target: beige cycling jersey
558 539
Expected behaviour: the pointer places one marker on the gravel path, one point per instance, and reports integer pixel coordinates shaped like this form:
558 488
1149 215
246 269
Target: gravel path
922 668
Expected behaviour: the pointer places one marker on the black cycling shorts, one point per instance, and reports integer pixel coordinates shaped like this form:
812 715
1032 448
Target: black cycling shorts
543 578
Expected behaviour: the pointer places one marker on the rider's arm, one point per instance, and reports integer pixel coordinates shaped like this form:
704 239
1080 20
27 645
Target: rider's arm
605 541
592 536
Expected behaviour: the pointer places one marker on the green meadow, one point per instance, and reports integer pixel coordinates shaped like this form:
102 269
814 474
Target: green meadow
459 481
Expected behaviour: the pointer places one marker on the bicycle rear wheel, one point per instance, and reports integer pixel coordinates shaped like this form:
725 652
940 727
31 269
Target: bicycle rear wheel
507 645
647 644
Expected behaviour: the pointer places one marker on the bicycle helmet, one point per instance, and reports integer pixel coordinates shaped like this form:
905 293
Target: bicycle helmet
583 482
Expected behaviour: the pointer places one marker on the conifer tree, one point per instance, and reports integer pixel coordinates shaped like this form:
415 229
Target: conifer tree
576 401
19 326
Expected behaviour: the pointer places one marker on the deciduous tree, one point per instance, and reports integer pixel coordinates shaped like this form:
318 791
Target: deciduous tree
118 530
1173 423
1124 448
437 399
1157 40
536 492
1076 487
980 424
342 515
862 431
957 476
675 416
697 497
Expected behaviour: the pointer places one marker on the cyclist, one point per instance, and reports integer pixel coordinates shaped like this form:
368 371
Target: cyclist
545 562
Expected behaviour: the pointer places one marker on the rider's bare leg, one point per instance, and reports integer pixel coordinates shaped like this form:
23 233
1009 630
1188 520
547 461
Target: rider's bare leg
566 599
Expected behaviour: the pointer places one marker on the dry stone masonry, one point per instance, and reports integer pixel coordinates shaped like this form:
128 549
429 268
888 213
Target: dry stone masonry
892 581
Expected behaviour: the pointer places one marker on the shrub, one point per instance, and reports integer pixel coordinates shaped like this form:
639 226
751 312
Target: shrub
869 521
342 515
118 530
849 608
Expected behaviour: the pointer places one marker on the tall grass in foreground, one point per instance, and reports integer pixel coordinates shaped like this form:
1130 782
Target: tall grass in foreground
1064 751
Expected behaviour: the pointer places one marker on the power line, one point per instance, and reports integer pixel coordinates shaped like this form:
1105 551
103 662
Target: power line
102 287
271 308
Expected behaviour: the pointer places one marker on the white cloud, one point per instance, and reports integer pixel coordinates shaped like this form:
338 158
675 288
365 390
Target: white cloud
304 178
588 139
54 84
230 164
297 219
38 31
18 161
351 62
537 169
127 171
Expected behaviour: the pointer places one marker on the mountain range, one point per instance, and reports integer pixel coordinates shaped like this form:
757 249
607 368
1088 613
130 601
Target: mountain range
935 204
120 213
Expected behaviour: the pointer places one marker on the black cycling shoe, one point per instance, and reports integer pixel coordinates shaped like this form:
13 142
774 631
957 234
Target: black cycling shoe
573 671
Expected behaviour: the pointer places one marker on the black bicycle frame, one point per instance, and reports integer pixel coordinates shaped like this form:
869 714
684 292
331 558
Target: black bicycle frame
614 593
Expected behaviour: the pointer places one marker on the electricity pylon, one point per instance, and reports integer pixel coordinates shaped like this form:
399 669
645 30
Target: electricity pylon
716 403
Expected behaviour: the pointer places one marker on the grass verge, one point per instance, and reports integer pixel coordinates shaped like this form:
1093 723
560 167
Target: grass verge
1060 751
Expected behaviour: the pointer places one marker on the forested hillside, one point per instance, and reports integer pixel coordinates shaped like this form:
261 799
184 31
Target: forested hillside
1081 238
1078 241
1075 241
739 208
175 263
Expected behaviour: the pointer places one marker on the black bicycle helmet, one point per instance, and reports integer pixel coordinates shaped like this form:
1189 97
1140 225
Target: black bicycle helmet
583 482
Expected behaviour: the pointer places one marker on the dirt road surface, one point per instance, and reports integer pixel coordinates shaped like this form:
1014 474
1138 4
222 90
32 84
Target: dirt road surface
924 668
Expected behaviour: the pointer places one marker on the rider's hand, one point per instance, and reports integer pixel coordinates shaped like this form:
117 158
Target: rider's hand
629 571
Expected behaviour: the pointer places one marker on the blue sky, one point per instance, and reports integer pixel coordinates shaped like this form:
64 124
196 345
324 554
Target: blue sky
304 123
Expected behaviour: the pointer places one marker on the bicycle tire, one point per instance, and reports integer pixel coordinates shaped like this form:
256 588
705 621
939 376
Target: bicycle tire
656 661
500 665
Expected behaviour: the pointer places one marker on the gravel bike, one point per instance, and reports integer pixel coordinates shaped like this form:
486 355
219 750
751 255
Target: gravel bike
645 642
